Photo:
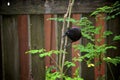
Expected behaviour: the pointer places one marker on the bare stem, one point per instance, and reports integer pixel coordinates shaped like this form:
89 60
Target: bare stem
55 63
64 42
71 2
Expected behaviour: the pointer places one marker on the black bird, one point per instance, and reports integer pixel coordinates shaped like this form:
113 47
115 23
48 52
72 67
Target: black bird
73 33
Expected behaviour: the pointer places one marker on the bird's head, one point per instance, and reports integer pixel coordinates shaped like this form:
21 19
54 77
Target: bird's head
73 33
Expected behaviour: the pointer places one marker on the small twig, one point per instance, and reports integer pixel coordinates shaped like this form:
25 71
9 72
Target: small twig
71 2
62 44
111 71
55 63
64 41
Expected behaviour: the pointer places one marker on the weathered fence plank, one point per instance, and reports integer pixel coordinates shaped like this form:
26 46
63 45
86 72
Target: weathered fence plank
75 53
10 49
37 42
50 40
59 28
114 26
1 61
86 73
23 47
47 36
100 70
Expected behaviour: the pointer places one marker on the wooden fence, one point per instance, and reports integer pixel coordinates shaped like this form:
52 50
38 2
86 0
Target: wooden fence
24 26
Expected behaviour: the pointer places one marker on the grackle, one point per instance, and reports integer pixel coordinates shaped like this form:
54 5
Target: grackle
74 34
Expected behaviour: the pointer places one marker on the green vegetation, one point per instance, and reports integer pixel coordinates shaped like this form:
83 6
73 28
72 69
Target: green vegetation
91 50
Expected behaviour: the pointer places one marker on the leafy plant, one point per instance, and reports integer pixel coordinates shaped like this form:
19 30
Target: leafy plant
91 50
111 11
114 61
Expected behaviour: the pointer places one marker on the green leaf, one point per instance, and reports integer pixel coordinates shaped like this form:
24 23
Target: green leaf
97 30
69 64
88 36
116 38
34 51
81 58
107 33
114 61
59 52
49 53
42 55
110 47
62 19
104 9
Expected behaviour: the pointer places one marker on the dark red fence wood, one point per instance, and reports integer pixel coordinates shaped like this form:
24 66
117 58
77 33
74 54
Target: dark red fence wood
50 38
23 47
100 70
75 53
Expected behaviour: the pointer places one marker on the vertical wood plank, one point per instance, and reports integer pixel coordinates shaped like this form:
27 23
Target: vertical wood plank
59 28
100 21
48 36
53 39
53 26
75 53
23 46
37 42
10 50
86 72
1 63
114 26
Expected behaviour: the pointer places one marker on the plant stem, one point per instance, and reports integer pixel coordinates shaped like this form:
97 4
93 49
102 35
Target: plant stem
111 71
55 63
71 2
64 41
